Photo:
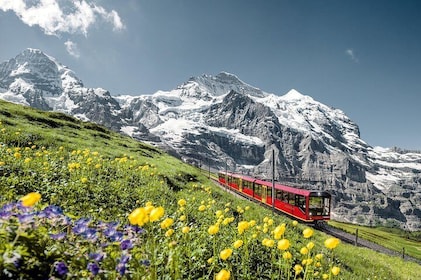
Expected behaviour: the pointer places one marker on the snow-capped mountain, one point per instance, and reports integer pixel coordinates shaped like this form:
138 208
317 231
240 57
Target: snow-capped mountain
223 122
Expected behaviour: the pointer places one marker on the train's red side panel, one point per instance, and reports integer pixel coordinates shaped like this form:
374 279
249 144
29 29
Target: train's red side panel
307 209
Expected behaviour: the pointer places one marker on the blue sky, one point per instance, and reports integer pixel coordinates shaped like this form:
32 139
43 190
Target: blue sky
363 57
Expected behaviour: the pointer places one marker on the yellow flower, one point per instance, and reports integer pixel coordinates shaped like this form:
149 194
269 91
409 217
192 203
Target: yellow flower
202 208
2 163
252 223
319 257
279 231
225 254
335 270
139 217
287 255
169 232
298 268
30 199
167 223
310 245
223 275
237 244
185 229
27 160
84 180
219 213
17 155
283 244
307 261
304 251
212 230
268 242
182 202
332 243
148 207
182 218
325 276
210 261
226 221
308 232
156 213
242 226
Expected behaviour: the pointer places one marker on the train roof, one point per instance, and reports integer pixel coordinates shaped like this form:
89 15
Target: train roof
279 186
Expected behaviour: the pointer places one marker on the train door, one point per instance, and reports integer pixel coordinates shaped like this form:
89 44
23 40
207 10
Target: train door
264 194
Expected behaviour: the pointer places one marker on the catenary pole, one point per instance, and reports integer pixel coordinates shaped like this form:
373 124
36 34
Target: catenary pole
273 180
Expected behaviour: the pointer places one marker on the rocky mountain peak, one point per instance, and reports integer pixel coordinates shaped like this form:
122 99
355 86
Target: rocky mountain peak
221 84
33 70
295 95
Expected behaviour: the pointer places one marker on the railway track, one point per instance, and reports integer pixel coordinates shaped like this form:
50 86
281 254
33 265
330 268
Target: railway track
335 232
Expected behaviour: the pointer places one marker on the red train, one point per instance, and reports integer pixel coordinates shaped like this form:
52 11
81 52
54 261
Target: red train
305 205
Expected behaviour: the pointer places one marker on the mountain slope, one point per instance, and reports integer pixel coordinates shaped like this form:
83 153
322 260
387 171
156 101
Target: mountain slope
222 122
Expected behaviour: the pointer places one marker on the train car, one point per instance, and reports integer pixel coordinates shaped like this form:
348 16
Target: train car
305 205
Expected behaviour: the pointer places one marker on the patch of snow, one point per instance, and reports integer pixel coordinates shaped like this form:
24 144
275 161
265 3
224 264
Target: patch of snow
129 130
382 180
22 69
237 136
14 98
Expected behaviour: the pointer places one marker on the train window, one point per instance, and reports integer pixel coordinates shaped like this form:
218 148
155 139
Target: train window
285 196
247 184
269 192
258 190
319 206
291 198
300 201
278 194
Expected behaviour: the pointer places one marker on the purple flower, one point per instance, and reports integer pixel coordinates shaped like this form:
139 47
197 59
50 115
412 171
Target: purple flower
122 264
5 215
26 218
98 257
80 226
113 234
58 236
121 268
90 234
52 211
93 268
9 207
126 244
61 268
133 229
125 258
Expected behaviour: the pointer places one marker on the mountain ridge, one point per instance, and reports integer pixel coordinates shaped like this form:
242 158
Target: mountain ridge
222 121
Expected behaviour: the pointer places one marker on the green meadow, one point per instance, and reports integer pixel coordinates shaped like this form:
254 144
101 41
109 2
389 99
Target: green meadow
81 202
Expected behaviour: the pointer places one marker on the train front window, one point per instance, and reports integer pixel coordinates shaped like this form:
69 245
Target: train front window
319 205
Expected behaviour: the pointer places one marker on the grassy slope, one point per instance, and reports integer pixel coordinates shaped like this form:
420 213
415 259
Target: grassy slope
53 130
394 239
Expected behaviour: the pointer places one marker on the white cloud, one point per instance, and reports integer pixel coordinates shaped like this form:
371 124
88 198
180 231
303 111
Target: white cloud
59 16
72 48
351 54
